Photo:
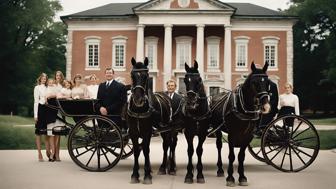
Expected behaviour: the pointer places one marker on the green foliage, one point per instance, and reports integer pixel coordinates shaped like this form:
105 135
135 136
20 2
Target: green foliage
315 53
32 43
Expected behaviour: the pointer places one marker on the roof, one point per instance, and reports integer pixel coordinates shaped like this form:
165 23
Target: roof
114 10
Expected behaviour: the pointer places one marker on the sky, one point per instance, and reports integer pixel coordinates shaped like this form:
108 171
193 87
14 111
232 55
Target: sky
74 6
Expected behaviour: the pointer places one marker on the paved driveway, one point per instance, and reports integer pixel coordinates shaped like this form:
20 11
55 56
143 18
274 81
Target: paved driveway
20 170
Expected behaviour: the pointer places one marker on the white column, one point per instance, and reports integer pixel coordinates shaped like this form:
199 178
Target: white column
227 58
167 59
200 49
290 56
140 43
69 56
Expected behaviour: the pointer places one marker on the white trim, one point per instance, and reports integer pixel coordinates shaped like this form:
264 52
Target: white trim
290 55
167 53
183 40
227 58
92 40
69 55
154 81
119 40
152 40
215 41
262 25
272 41
140 42
129 24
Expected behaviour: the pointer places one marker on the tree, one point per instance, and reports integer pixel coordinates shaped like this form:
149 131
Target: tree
314 52
30 39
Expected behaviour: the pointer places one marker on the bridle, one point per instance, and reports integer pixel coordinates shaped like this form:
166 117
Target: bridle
150 109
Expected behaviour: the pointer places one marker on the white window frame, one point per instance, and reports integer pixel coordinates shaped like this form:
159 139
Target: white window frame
241 41
271 41
151 40
183 40
154 81
119 40
213 41
92 40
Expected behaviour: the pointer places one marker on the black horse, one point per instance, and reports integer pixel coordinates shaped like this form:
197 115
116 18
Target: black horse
237 113
144 110
197 114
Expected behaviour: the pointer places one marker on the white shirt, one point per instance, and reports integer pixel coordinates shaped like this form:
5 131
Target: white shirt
108 83
289 100
65 93
171 95
39 97
93 91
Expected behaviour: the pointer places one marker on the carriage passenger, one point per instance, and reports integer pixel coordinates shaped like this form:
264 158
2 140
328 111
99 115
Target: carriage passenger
51 93
79 90
288 104
93 86
59 79
65 92
39 113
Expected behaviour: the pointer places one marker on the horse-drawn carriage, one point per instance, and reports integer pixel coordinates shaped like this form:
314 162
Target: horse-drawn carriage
95 143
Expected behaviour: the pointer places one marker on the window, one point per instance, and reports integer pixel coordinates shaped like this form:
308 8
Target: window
214 91
181 85
241 52
213 53
92 52
151 52
183 51
271 51
119 53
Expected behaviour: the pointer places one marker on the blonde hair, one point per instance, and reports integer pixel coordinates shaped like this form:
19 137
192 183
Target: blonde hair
93 76
39 79
171 81
61 74
290 86
51 79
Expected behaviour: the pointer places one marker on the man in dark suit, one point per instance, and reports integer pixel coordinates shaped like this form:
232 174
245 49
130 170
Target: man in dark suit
175 97
112 96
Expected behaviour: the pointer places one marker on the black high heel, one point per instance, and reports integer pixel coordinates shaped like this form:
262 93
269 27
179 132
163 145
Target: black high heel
52 158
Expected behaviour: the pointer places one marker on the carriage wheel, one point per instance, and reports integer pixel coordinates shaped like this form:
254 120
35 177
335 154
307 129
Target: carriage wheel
290 143
95 144
255 149
128 147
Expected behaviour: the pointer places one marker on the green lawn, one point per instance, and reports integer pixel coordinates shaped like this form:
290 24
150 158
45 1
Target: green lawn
14 136
326 121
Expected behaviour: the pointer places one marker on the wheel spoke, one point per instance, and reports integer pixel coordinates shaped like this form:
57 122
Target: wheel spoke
290 159
296 129
108 161
298 155
283 158
84 152
302 139
91 157
301 132
277 153
98 157
111 151
303 152
274 149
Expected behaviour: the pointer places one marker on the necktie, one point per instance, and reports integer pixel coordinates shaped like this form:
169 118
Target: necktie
107 84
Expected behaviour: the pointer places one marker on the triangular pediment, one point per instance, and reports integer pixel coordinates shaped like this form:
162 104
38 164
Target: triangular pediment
177 5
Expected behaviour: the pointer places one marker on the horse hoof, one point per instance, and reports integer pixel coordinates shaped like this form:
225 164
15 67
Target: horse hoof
220 174
188 180
135 180
172 172
200 180
161 172
230 183
243 183
147 181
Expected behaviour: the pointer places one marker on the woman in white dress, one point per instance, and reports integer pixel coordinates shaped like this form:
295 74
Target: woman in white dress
59 79
288 103
40 112
51 114
65 91
79 90
93 87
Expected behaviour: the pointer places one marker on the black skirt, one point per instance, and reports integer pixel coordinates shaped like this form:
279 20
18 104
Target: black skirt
287 110
41 124
51 111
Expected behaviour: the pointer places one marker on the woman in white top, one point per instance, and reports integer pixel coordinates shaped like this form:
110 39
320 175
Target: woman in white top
79 90
93 87
288 103
39 112
59 79
65 91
